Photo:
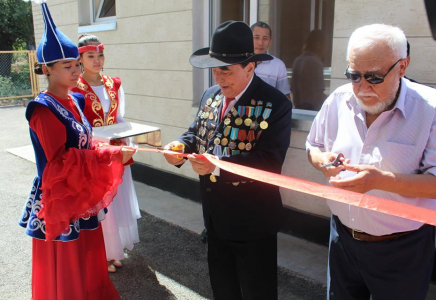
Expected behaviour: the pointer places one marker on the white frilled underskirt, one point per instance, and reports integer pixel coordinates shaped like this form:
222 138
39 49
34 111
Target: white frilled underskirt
120 227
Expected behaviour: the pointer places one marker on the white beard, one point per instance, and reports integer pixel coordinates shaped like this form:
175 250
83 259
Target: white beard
376 109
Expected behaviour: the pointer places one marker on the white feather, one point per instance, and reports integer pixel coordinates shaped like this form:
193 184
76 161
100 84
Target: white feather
36 1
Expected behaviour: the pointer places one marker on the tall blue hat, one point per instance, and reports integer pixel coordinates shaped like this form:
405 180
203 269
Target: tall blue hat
54 45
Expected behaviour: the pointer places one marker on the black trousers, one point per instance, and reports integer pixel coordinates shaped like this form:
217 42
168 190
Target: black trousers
397 269
242 269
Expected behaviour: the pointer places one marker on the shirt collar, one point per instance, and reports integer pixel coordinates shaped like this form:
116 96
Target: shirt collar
401 101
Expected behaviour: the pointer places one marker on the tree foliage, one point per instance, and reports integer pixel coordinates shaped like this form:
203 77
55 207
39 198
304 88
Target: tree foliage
16 24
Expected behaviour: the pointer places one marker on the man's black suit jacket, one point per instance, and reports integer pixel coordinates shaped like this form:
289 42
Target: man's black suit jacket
239 208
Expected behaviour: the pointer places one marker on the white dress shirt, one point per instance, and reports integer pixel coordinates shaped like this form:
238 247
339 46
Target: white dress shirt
402 140
274 73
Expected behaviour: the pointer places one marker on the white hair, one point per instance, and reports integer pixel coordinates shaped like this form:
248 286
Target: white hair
370 35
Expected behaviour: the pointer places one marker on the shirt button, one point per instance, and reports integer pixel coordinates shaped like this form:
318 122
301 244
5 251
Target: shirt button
352 219
208 190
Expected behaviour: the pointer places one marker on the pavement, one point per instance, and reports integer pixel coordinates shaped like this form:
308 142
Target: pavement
170 260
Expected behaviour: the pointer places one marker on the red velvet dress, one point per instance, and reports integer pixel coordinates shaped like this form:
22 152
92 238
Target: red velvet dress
75 269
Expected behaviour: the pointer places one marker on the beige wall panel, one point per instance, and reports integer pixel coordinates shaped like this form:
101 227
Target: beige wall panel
297 165
170 27
422 66
335 83
298 140
410 15
165 84
62 12
172 112
150 56
339 57
127 8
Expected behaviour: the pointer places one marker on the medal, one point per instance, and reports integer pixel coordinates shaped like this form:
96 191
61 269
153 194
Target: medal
217 140
211 116
238 121
235 183
212 178
226 121
254 125
210 134
226 151
250 138
264 124
250 111
224 141
265 115
217 150
214 104
206 115
253 102
209 101
202 149
241 146
232 145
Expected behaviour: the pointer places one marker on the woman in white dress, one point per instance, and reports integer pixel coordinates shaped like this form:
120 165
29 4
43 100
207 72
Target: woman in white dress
105 105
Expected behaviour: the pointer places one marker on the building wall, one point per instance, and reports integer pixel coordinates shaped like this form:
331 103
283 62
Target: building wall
149 51
150 48
409 15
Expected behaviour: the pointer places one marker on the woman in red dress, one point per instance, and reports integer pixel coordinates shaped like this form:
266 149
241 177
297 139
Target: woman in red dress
104 105
77 179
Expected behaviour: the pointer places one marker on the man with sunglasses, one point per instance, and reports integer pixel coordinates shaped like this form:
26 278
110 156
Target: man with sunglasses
385 128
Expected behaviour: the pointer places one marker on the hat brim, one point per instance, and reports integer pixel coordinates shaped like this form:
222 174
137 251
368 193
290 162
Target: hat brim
201 59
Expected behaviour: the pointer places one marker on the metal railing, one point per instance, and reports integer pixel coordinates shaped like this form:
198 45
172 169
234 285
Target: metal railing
17 76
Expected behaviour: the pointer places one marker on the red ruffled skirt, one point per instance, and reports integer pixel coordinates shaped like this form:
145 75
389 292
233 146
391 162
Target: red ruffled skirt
72 270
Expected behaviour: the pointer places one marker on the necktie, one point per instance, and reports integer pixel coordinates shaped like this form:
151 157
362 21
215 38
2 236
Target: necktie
226 103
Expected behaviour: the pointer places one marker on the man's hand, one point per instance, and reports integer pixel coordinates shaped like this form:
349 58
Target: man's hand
366 179
318 158
175 160
201 165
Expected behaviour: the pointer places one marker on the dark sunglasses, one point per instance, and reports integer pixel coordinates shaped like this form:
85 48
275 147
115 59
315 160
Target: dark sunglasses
356 77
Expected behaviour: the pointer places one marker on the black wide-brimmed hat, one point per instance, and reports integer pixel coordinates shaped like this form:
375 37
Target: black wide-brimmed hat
232 43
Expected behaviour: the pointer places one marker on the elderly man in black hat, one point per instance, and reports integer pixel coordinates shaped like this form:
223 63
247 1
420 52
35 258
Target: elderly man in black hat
246 121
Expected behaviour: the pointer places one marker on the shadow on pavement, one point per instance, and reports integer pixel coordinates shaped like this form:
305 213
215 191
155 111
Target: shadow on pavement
179 254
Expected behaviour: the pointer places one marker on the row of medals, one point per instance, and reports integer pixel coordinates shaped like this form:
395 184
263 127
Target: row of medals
211 112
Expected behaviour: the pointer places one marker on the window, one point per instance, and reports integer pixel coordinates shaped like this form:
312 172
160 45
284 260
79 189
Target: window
97 15
302 35
103 10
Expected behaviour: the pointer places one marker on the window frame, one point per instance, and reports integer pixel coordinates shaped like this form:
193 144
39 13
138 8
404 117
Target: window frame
94 16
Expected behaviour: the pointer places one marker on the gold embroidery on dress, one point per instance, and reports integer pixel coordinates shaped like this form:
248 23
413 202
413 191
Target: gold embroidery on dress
109 84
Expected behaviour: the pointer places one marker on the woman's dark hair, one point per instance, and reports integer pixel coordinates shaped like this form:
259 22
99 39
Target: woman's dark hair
38 68
87 39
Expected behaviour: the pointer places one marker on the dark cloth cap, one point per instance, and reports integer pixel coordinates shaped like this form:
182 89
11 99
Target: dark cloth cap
232 43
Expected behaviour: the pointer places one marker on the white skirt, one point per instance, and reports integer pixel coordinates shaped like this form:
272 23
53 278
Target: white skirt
120 228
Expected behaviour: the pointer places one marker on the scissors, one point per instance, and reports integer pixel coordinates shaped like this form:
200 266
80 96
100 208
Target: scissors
336 163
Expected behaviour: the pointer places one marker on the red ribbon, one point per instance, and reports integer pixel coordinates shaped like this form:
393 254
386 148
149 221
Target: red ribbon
390 207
